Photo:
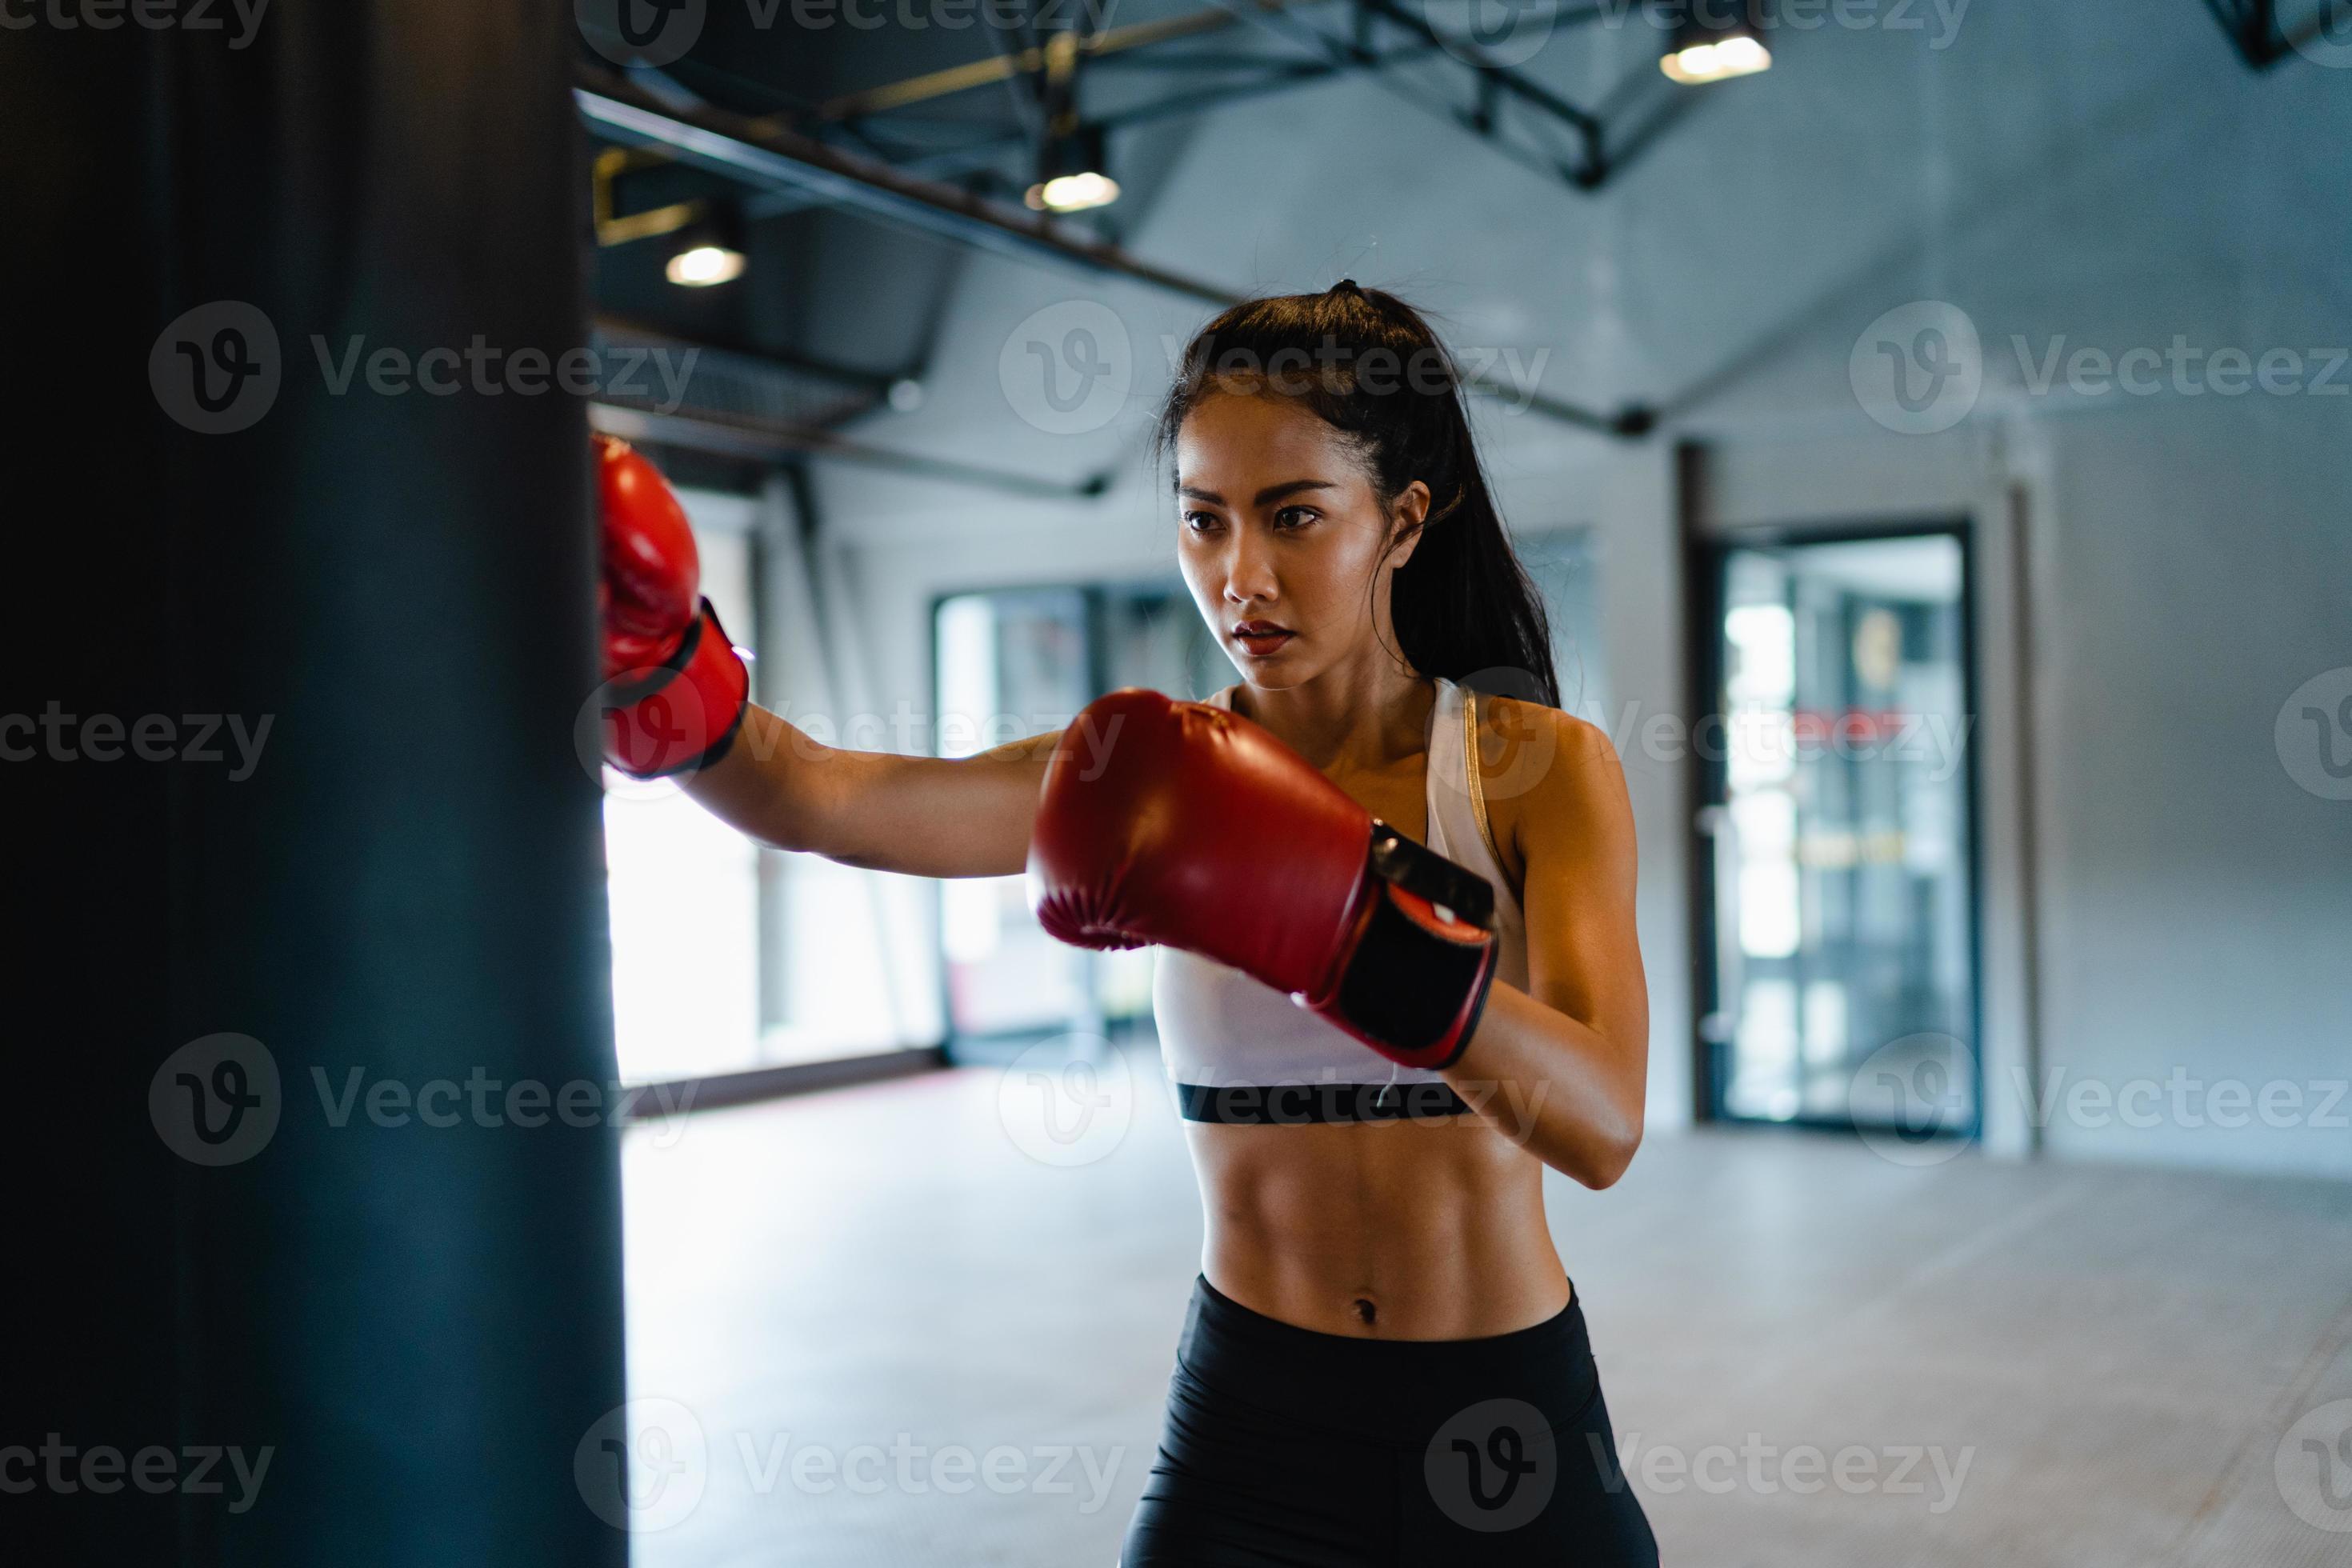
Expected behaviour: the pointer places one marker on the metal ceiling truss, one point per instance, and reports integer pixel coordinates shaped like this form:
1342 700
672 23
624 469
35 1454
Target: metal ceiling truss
1514 113
804 157
753 154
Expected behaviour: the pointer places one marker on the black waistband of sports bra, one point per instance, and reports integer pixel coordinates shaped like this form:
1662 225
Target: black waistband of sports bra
1305 1104
1396 1390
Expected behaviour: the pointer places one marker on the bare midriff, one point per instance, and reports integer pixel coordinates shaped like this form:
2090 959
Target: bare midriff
1402 1230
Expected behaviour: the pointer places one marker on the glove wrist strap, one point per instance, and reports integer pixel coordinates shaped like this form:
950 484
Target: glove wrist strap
683 714
1415 975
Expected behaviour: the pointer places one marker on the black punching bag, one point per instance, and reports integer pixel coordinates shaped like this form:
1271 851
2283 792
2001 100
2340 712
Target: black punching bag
314 1238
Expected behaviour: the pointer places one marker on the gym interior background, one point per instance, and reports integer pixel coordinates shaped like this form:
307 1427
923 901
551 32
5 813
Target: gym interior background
1930 423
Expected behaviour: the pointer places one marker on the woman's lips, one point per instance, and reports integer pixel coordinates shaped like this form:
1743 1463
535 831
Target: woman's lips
1262 644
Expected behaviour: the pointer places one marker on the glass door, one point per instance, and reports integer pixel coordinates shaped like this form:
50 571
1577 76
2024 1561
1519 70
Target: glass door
1837 888
1019 661
1009 663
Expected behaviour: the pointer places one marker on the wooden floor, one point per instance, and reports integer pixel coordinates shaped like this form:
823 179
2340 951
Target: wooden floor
915 1324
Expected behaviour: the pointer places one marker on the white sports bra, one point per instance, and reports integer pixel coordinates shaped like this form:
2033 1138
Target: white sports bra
1220 1029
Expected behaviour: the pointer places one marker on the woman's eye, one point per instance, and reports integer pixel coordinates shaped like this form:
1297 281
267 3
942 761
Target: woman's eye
1291 516
1200 521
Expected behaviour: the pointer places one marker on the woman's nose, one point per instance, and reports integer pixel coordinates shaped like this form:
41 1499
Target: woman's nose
1249 575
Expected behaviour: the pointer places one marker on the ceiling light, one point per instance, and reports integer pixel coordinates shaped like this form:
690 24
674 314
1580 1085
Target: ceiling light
705 265
1703 52
708 253
1070 174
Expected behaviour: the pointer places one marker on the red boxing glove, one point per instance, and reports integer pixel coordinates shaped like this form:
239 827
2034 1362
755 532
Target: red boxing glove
675 690
1197 829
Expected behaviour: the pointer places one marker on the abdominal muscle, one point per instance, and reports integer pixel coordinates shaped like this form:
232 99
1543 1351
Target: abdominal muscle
1400 1230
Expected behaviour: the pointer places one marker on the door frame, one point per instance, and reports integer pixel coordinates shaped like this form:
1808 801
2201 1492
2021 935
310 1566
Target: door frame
1709 560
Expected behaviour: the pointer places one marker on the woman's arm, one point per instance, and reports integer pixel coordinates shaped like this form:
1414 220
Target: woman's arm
926 816
676 694
1564 1065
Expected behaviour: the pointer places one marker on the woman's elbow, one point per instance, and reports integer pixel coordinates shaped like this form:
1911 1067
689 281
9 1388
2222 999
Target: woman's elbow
1606 1152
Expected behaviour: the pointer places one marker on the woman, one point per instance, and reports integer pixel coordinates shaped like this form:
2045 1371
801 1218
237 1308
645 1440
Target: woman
1384 1361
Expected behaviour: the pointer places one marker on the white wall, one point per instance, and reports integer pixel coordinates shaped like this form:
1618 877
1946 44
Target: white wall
2200 900
2100 171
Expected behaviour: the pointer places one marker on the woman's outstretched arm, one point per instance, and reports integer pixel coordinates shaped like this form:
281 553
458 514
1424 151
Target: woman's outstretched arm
925 816
677 703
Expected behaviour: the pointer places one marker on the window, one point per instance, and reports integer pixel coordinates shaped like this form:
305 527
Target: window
683 894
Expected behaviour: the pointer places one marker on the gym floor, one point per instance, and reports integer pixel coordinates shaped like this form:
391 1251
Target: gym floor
1812 1354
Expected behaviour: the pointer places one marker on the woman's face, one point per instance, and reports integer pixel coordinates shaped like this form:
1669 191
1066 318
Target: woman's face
1282 542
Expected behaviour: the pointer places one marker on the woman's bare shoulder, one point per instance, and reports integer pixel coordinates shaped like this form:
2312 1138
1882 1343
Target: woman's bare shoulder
1541 767
1512 720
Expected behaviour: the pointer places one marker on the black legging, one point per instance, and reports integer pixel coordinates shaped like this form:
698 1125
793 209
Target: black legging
1288 1448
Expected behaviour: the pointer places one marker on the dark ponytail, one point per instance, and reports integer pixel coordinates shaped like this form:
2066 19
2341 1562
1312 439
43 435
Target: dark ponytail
1368 365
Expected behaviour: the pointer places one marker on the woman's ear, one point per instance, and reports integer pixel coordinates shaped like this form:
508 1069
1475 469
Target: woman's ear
1408 515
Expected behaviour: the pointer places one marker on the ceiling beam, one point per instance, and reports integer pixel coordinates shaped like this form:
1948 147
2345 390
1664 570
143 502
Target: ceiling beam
996 68
755 153
758 154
